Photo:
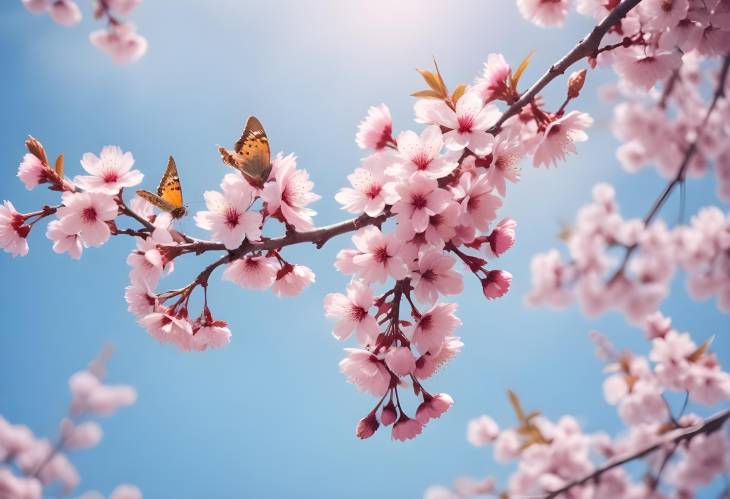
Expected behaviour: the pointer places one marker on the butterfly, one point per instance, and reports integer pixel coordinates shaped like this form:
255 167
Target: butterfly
251 155
169 194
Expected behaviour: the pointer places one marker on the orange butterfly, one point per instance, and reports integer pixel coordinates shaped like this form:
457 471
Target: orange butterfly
251 155
169 194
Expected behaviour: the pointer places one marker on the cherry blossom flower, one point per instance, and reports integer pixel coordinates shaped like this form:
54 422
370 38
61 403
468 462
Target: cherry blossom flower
253 272
167 328
289 194
642 70
86 214
401 362
493 84
545 13
121 41
502 237
506 155
377 258
63 242
365 371
559 138
433 407
110 172
428 364
375 131
292 279
367 426
211 335
91 395
13 233
482 431
65 12
352 313
421 154
478 202
496 283
32 171
434 326
367 193
80 436
146 261
434 275
406 428
661 14
419 198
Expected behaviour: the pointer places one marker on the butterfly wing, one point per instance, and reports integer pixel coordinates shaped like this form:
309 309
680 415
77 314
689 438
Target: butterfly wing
251 155
169 193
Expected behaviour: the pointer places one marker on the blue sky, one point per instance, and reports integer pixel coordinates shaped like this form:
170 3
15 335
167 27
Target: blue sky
270 416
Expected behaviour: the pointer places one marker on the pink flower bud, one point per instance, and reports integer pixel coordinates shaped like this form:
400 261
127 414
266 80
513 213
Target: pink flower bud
433 406
406 429
388 415
657 325
400 361
503 236
496 283
367 426
65 12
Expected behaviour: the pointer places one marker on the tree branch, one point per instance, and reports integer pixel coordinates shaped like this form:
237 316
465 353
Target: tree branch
674 438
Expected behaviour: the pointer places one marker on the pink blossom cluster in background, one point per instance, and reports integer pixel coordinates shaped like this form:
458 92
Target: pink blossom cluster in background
552 455
31 467
119 39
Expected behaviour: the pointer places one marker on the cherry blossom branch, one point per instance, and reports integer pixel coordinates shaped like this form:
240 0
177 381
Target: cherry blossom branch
679 178
709 425
587 47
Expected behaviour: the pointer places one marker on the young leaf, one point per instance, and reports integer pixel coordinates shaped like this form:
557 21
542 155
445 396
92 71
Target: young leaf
431 80
59 165
695 356
521 69
458 92
428 94
36 149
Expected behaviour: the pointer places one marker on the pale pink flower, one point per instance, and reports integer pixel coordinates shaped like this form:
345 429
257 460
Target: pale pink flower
80 436
433 274
642 70
496 284
663 14
367 193
111 171
482 431
351 312
478 202
87 214
433 406
644 404
378 255
406 428
365 371
121 41
228 218
428 364
12 487
13 233
146 261
374 132
502 237
400 361
32 171
506 446
657 325
252 272
559 138
345 261
420 198
467 123
141 300
62 242
36 6
122 7
213 335
506 156
65 12
493 83
421 154
167 328
91 395
544 13
434 326
290 193
14 439
704 457
292 279
441 226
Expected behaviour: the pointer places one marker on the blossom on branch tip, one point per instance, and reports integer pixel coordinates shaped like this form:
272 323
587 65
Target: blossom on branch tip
288 195
352 313
87 214
121 41
560 137
375 131
13 233
110 171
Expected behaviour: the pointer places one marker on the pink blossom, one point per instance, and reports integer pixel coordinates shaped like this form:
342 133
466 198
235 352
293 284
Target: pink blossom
62 242
559 138
91 395
433 407
13 233
87 214
661 14
704 457
14 487
141 300
506 155
367 426
290 193
467 123
365 371
292 279
496 283
228 217
367 193
642 70
400 361
80 436
420 198
374 132
146 261
121 41
351 312
643 404
65 12
657 325
32 171
14 439
421 154
434 327
493 83
433 275
482 431
506 446
210 335
252 272
544 13
388 415
428 364
122 7
478 202
378 255
36 6
502 237
109 172
406 428
167 328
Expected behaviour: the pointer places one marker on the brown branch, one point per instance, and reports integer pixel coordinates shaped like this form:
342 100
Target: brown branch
587 47
674 438
682 171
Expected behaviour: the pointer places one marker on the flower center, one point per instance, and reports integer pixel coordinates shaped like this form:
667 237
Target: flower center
465 122
110 177
426 322
232 218
357 314
421 160
89 214
381 254
418 201
428 276
373 191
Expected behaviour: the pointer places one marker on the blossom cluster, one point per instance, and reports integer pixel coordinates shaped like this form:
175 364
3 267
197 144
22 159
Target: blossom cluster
119 39
31 466
701 249
558 456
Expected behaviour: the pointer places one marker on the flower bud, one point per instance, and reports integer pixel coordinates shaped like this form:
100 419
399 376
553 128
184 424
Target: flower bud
388 414
496 283
367 426
575 83
503 236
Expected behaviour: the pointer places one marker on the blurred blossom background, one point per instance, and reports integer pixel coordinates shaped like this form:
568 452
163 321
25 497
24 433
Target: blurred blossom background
270 415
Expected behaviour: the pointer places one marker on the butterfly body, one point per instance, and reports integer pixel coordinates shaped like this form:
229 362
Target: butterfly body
251 154
169 193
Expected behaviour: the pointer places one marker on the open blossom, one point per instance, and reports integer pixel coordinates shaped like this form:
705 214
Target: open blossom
434 326
377 256
352 313
65 12
365 371
146 261
167 328
31 171
433 407
63 242
482 431
420 198
546 13
91 395
406 428
87 214
642 70
375 131
228 217
506 155
80 436
560 137
494 82
478 202
429 363
433 275
421 153
367 193
496 283
289 194
12 231
254 272
292 279
211 335
111 171
121 41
